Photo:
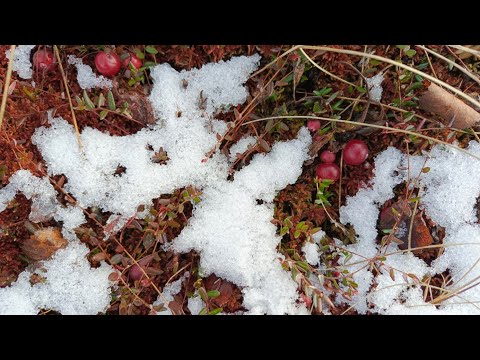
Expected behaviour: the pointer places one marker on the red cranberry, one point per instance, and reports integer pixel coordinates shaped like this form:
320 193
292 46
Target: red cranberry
328 171
327 157
313 125
43 60
355 152
136 62
108 64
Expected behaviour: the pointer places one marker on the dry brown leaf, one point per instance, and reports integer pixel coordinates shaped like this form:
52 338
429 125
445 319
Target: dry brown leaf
43 244
455 112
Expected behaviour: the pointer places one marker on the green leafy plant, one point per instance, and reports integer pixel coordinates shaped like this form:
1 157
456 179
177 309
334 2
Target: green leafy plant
323 194
97 104
207 296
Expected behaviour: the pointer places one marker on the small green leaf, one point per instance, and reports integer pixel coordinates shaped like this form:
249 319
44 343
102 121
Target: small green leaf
337 105
203 294
101 100
215 311
148 64
394 211
361 89
151 50
410 53
422 66
203 311
213 294
315 230
103 114
131 82
139 54
347 258
322 92
300 225
297 233
88 102
303 265
426 169
416 85
288 222
28 93
283 231
111 101
79 100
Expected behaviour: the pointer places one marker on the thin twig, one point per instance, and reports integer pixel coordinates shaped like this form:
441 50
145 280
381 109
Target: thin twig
77 132
399 64
324 70
7 84
466 49
409 248
368 125
430 63
453 63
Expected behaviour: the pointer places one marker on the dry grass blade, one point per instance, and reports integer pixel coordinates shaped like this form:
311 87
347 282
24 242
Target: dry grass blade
368 125
275 60
466 49
77 132
409 248
453 63
7 84
324 70
396 63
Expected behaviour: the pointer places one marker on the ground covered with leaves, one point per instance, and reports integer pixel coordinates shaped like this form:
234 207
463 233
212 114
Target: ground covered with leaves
291 85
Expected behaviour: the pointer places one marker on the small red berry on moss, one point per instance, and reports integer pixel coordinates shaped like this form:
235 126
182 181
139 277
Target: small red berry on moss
355 152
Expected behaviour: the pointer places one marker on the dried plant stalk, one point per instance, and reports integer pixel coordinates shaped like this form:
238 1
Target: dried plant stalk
455 112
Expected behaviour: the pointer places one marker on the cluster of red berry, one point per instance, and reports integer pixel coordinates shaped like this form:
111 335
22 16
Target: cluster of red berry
108 63
355 152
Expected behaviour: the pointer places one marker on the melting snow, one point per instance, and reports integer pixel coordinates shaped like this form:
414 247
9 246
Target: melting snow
21 60
449 195
374 85
86 78
241 248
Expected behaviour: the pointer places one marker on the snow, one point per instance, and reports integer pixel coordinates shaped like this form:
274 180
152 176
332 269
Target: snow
195 304
310 251
448 193
318 236
169 291
216 85
21 61
241 146
184 103
230 230
71 286
86 78
374 87
229 244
